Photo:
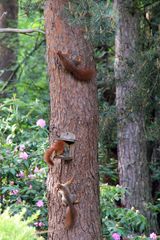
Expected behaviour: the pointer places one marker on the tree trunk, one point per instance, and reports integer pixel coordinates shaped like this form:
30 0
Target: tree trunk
8 18
73 109
132 151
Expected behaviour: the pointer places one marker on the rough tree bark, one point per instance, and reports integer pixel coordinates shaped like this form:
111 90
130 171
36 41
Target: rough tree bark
73 109
8 18
132 151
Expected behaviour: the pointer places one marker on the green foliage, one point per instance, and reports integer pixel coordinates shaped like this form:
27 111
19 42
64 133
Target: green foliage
31 75
14 227
118 220
30 7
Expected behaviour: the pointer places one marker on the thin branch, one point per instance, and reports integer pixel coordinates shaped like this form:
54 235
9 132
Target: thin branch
23 31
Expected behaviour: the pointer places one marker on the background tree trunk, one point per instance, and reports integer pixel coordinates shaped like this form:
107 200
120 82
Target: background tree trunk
73 109
8 18
154 20
132 151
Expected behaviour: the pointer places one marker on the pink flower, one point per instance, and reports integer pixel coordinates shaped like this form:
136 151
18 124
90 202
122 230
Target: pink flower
23 155
21 174
36 170
21 147
36 224
41 123
41 224
31 176
153 236
39 203
30 186
14 192
116 236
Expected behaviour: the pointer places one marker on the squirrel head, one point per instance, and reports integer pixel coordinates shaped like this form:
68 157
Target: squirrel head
58 187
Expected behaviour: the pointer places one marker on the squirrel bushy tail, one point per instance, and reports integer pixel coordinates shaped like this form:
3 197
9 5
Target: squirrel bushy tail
70 216
81 74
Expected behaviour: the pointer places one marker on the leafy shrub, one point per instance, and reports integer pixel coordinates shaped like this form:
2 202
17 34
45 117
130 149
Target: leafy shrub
118 220
13 227
23 171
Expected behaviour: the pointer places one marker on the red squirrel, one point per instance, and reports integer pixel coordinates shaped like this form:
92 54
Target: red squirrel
81 74
56 149
68 200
